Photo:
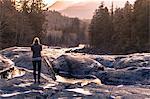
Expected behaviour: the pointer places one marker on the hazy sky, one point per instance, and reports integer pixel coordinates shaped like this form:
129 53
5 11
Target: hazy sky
76 1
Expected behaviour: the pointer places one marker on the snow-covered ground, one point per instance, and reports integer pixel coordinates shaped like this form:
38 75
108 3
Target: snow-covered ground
78 75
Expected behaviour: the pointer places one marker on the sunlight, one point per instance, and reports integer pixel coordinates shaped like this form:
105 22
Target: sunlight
16 73
49 2
80 90
74 81
48 85
77 1
24 84
18 93
10 95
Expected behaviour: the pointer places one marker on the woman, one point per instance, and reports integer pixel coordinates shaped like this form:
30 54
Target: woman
36 48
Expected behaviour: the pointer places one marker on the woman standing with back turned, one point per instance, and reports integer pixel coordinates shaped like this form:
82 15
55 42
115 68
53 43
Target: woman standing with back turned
36 48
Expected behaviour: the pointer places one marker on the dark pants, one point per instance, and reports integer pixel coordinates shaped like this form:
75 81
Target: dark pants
36 64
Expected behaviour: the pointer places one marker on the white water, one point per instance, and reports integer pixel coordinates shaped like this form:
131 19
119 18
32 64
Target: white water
80 90
74 81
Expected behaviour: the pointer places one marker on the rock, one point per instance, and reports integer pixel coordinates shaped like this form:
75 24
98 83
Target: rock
126 77
24 61
106 61
134 96
122 76
132 60
5 62
76 65
4 83
8 70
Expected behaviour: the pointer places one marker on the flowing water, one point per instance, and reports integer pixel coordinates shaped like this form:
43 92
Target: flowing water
74 81
12 73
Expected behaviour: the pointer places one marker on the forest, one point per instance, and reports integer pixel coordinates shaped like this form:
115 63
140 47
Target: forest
111 30
121 30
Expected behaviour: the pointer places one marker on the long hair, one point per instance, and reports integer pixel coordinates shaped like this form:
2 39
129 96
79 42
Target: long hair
36 41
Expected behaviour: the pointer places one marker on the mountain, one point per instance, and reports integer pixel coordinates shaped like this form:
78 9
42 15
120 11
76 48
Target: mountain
82 10
60 5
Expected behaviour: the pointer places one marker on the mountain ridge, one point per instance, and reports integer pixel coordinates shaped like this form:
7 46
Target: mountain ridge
83 9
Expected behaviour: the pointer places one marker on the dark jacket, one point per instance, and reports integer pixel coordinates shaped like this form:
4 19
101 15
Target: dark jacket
36 49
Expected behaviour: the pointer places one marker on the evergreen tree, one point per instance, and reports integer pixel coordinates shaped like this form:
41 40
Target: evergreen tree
37 17
7 23
33 9
101 28
123 29
118 26
141 24
16 27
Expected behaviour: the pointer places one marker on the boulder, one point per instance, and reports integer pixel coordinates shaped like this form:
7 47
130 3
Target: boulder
132 60
107 61
125 76
69 65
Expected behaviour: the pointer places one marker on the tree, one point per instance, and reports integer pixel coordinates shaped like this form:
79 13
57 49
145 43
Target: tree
141 24
37 17
101 28
33 10
7 23
16 27
122 22
118 33
128 30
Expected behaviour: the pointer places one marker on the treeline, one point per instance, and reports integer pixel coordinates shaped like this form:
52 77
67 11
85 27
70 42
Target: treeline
20 22
121 30
64 31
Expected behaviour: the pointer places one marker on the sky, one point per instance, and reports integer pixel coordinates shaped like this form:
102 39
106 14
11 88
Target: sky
89 12
76 1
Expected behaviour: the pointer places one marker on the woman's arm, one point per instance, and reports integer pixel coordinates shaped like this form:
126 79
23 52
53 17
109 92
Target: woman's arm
40 47
31 48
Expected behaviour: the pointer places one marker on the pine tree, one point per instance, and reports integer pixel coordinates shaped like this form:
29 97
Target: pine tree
101 28
141 24
123 28
118 26
37 17
33 9
7 23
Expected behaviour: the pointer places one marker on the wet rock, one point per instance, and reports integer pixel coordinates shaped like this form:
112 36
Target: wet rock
132 60
70 66
3 83
135 96
24 61
126 77
106 61
5 62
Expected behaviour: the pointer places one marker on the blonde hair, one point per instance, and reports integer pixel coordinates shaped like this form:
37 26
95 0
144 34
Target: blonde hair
36 40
